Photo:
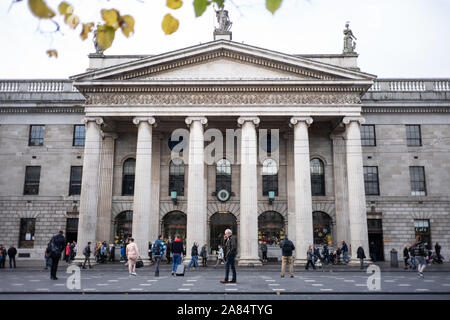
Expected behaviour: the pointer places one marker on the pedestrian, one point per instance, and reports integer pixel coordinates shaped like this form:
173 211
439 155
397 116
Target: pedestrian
12 256
158 252
112 254
230 253
48 261
437 251
316 253
220 258
360 254
194 256
177 252
344 250
75 248
132 253
338 255
373 252
103 252
87 255
286 256
412 257
309 258
419 252
264 251
2 256
326 254
204 255
406 256
122 253
168 251
71 252
150 254
67 253
56 249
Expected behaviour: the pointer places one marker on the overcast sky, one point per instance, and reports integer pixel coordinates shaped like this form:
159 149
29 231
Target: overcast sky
396 38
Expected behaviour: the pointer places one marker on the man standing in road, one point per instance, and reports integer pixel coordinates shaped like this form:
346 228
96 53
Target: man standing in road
230 254
286 251
87 255
345 252
158 252
309 258
177 250
361 256
56 248
12 256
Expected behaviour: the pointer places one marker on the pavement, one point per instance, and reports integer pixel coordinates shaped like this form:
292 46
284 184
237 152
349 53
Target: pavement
111 281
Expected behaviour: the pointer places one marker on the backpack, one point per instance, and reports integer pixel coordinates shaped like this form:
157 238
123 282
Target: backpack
54 248
157 248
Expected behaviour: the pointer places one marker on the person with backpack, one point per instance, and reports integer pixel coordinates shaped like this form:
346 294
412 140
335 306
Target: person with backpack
345 252
360 254
326 254
286 256
194 256
420 253
406 256
12 256
204 255
309 258
178 250
219 256
158 249
56 249
412 257
264 251
87 255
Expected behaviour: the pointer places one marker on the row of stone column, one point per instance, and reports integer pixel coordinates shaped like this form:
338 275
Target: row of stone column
92 220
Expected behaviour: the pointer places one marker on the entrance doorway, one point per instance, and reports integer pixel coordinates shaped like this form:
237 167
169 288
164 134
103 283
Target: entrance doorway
123 226
219 222
71 229
322 230
174 223
376 244
270 228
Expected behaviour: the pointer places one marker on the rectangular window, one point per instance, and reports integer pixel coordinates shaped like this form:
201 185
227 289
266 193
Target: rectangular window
413 135
32 177
75 180
417 177
26 235
36 137
270 183
368 138
422 230
371 184
79 135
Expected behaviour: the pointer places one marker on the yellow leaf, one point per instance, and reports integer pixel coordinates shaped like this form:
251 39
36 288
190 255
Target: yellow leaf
169 24
127 25
52 53
111 18
174 4
65 8
40 9
72 20
85 29
105 36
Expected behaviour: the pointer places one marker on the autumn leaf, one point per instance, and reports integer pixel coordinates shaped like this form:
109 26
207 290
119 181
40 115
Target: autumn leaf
72 20
111 18
273 5
40 9
219 3
169 24
127 25
174 4
52 53
200 7
65 9
105 36
85 29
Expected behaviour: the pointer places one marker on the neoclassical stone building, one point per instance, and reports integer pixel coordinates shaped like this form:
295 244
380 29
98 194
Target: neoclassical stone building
313 148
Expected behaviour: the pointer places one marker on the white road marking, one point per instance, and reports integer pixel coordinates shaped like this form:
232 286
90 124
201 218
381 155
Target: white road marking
192 280
274 284
349 280
360 284
404 285
113 280
422 289
59 284
152 280
389 280
317 284
90 289
35 280
145 284
230 289
310 280
428 280
43 289
17 284
279 289
270 280
230 284
103 284
137 289
184 289
188 284
326 289
446 284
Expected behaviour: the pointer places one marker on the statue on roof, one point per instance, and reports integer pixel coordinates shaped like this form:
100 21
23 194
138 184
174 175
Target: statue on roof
98 50
223 20
349 43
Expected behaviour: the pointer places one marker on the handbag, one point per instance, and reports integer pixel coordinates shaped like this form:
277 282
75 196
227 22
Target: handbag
139 264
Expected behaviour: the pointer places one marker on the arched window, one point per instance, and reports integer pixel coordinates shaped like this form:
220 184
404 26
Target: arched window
322 228
176 176
270 228
270 177
128 177
223 175
317 177
123 226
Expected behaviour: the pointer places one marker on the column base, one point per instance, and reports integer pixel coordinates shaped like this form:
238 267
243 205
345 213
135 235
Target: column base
248 262
300 262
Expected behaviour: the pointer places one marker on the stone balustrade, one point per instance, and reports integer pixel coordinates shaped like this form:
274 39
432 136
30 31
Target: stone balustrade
37 86
410 85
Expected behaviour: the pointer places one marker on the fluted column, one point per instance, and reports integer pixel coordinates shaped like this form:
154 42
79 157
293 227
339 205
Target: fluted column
105 187
142 186
302 181
196 197
87 225
248 235
340 189
356 194
291 234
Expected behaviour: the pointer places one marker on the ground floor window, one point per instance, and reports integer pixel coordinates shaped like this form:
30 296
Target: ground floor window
422 230
71 229
270 228
219 222
174 223
123 226
26 237
322 228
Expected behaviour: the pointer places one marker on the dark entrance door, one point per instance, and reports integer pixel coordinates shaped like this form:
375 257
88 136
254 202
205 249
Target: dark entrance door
219 222
71 229
376 244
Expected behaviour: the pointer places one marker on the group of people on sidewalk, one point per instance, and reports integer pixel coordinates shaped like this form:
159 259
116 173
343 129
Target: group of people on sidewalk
418 256
10 253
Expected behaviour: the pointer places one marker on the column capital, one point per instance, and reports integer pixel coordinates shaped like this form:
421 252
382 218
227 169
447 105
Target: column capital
150 120
348 120
294 120
112 135
255 120
190 120
97 120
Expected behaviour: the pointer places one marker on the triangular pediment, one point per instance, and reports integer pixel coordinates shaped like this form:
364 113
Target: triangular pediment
223 59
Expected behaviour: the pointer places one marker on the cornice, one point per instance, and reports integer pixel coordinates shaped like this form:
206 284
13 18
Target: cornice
405 110
76 110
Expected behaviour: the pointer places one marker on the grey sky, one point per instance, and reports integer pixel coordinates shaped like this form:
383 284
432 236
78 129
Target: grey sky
396 38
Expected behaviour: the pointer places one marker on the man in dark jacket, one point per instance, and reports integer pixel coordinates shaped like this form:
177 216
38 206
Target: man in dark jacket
326 254
12 256
419 252
177 250
437 250
361 256
194 256
87 255
286 256
309 258
2 256
412 257
57 244
230 252
204 255
345 252
406 256
373 251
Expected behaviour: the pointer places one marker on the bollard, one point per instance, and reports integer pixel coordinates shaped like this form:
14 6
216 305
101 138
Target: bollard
394 258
